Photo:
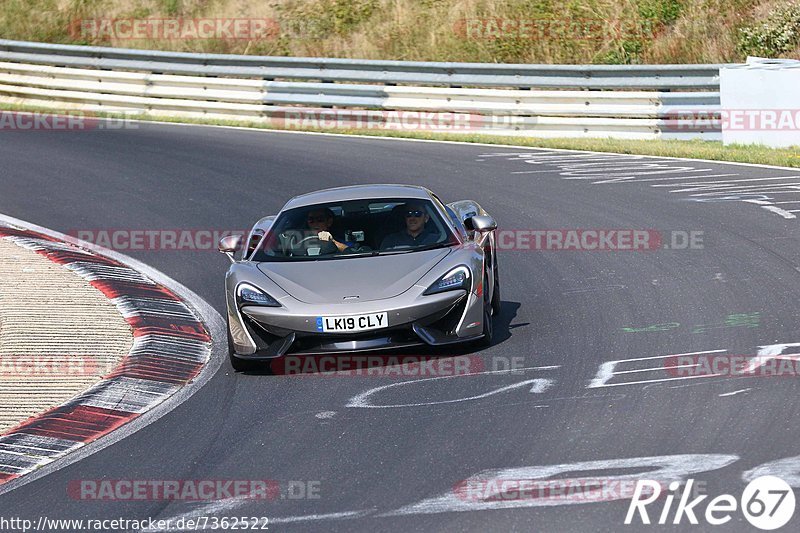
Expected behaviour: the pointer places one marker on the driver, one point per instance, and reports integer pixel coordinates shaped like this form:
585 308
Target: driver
320 221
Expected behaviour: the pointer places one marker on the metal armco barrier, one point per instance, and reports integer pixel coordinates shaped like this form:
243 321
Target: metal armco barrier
635 102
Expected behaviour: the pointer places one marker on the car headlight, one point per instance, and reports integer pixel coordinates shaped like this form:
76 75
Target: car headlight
247 294
458 278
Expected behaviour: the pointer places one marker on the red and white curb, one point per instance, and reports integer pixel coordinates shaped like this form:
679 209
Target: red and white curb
170 349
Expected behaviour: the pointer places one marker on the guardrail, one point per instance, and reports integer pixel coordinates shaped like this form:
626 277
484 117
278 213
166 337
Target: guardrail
642 101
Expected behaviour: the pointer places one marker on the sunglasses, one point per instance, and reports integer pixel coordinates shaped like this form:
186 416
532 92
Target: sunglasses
414 213
317 219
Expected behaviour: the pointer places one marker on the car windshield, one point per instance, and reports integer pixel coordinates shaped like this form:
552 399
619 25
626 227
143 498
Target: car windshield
355 228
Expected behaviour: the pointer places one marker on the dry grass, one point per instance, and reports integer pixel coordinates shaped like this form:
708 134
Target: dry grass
672 31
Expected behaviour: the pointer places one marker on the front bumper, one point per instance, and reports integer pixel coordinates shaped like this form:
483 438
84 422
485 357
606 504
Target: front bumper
434 320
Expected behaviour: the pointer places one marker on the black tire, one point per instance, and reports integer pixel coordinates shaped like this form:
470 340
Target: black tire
496 302
488 322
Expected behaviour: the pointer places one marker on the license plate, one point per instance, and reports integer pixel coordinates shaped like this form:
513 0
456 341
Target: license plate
352 322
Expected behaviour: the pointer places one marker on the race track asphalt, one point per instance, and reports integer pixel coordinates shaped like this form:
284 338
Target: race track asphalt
386 469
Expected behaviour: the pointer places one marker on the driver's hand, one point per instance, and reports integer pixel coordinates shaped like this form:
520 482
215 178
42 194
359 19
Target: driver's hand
324 236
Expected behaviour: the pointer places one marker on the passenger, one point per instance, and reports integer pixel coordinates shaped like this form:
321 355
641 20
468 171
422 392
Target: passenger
415 233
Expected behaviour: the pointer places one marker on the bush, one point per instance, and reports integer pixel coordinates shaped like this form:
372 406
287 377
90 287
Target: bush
778 34
660 12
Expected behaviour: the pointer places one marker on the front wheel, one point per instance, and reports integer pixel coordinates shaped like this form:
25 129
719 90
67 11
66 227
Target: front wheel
488 323
496 302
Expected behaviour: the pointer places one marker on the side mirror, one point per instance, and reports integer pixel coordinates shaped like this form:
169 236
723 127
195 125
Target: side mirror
229 244
481 223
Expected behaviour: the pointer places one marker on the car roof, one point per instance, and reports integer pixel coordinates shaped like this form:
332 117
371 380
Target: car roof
358 192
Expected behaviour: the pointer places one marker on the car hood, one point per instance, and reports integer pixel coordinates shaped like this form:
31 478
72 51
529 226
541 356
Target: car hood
370 278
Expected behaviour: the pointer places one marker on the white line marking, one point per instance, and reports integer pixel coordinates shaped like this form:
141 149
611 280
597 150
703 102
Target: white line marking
564 165
507 371
544 158
687 385
733 393
778 211
742 192
542 171
629 176
665 468
328 516
538 386
671 178
618 372
597 164
667 355
602 161
633 177
543 152
777 189
744 189
226 506
362 400
206 509
787 469
658 380
606 371
746 180
592 170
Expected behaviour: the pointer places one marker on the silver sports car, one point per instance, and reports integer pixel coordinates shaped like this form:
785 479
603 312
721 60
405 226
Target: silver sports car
361 268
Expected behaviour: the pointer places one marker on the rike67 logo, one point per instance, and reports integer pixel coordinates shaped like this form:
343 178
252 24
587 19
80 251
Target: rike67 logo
767 503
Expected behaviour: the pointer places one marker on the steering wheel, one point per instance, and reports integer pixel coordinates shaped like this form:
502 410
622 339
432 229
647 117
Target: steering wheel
312 238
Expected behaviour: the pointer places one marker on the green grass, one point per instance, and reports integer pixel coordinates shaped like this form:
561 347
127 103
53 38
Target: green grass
709 150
